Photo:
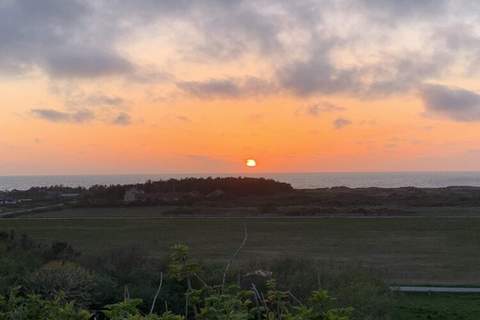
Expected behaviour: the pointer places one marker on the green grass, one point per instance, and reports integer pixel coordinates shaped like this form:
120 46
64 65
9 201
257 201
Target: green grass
420 306
406 250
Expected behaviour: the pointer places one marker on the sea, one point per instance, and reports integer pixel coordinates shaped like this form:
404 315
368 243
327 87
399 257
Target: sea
297 180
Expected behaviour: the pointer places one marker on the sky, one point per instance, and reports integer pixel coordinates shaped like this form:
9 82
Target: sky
177 86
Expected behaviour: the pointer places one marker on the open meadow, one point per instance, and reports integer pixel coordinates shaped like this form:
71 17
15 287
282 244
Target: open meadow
436 306
406 250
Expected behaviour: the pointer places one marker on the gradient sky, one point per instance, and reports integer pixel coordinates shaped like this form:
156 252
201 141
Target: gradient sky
147 86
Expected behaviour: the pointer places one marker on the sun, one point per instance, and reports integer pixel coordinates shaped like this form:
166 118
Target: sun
251 163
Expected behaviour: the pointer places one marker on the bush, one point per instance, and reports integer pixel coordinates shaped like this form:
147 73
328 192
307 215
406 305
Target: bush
33 307
74 282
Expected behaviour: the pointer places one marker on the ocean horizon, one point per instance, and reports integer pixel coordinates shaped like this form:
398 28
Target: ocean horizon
301 180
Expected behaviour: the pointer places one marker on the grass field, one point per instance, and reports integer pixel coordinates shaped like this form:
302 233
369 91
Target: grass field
436 306
407 250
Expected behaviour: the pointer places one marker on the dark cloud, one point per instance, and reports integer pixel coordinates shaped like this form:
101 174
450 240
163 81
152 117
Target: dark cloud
151 76
315 110
341 123
80 38
53 115
320 75
237 27
83 62
80 116
75 98
57 37
122 119
452 103
317 75
210 88
302 42
226 88
392 10
104 100
402 74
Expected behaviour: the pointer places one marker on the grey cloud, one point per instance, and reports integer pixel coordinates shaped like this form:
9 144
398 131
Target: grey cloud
401 74
463 39
323 107
340 123
392 10
103 100
223 88
144 76
86 62
82 116
56 36
122 119
76 98
226 88
71 38
53 115
237 26
452 103
317 75
79 116
395 72
82 39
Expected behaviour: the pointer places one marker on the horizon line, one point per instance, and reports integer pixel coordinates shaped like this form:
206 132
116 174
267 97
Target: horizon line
236 173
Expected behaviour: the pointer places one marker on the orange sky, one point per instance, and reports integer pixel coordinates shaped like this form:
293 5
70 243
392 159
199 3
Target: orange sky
350 86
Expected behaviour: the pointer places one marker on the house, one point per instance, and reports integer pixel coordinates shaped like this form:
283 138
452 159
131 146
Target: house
133 195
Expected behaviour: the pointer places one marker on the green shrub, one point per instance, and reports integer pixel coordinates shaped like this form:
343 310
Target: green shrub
74 282
33 307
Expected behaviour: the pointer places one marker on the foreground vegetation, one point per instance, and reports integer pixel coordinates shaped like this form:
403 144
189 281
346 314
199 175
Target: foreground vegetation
54 282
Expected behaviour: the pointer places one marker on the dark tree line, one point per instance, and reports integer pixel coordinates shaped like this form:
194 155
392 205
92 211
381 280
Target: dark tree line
234 186
203 186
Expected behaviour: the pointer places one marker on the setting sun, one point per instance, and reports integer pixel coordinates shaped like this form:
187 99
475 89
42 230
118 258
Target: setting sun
251 163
